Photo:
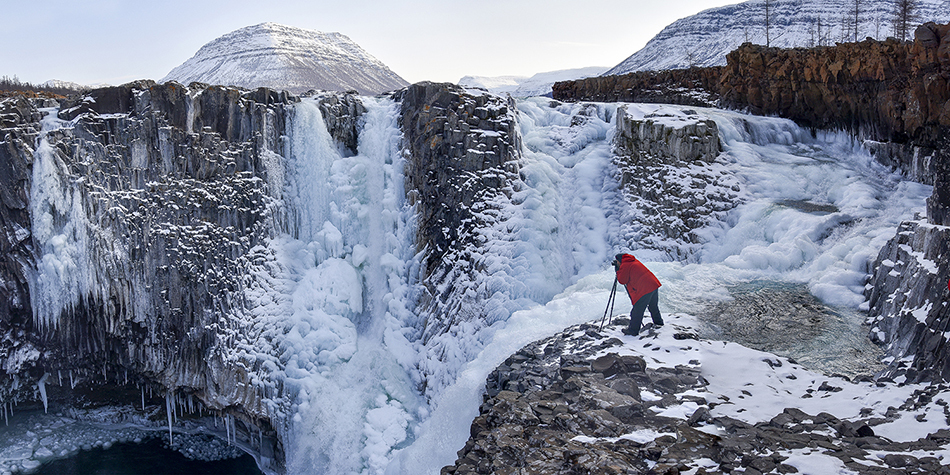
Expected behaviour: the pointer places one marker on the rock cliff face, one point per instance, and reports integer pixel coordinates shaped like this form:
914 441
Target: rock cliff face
690 87
133 220
908 298
885 91
463 167
666 167
143 211
130 218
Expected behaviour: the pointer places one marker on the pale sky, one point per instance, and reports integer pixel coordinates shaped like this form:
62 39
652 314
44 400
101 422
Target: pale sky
117 41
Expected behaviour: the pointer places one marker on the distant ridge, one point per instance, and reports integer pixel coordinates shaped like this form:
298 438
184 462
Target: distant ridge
521 86
704 39
287 58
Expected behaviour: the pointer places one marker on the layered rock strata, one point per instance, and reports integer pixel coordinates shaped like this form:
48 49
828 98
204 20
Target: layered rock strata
697 87
580 402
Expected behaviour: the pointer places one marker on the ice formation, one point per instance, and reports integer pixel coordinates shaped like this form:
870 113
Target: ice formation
328 311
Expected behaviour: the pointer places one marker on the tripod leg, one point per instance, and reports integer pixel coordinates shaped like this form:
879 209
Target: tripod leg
610 305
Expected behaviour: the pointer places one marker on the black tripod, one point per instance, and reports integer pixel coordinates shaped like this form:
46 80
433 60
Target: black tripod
610 305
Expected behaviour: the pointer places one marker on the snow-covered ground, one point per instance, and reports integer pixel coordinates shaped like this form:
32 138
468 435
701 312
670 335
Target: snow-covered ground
330 300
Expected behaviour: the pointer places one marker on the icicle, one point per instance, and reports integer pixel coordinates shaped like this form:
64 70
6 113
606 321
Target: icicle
168 411
72 382
143 398
59 373
41 385
104 377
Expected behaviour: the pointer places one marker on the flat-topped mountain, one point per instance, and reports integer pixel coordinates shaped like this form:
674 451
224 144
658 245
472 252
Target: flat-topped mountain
287 58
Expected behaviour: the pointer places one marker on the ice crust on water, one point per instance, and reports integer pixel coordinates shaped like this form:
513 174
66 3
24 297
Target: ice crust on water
329 313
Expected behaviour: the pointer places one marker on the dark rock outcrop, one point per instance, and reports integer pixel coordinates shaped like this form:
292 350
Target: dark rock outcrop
695 87
573 403
909 302
464 153
665 168
342 113
148 204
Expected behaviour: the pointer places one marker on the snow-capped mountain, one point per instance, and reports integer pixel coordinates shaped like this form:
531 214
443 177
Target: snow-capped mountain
287 58
704 39
523 86
57 83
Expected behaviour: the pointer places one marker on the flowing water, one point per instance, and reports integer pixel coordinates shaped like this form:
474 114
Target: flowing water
784 271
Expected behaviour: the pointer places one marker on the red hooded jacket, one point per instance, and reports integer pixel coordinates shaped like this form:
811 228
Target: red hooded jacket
638 280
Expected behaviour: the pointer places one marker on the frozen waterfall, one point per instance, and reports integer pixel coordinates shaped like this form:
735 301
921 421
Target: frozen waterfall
328 301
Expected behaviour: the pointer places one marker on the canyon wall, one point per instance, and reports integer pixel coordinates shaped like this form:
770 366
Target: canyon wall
136 218
131 216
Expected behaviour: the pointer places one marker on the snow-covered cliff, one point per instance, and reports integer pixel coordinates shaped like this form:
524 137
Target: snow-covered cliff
705 38
287 58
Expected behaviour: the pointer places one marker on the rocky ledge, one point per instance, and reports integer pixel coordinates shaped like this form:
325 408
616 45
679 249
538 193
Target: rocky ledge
667 166
595 401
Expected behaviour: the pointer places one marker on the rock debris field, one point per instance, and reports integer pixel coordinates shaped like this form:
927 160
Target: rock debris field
597 401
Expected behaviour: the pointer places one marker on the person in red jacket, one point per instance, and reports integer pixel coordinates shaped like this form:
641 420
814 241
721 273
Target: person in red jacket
642 287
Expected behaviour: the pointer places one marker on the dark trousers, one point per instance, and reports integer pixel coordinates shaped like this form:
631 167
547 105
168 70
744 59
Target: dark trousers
650 300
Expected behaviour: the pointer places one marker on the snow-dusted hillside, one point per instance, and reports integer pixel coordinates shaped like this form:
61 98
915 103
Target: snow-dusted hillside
704 39
57 83
287 58
522 86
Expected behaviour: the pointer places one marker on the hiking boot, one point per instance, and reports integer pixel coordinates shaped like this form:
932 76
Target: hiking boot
628 331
